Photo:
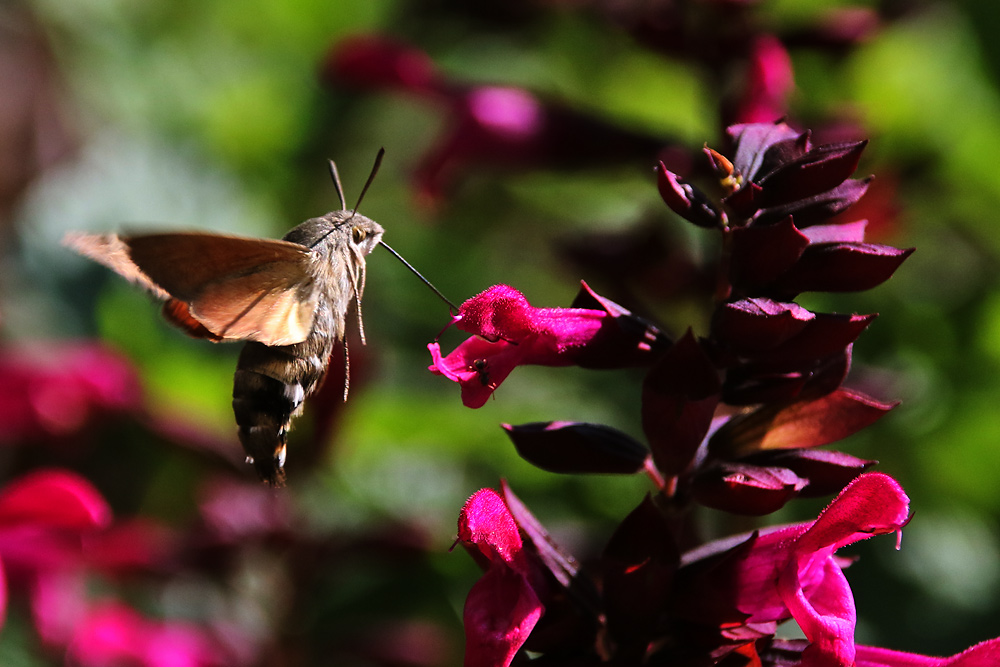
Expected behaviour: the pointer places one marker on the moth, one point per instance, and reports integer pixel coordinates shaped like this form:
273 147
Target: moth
287 299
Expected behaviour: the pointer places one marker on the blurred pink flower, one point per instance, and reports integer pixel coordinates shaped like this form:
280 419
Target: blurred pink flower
770 80
115 634
51 391
43 517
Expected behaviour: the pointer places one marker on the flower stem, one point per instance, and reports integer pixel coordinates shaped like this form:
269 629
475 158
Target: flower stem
723 288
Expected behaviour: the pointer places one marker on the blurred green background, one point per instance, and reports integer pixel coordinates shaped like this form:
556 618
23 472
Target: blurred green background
211 115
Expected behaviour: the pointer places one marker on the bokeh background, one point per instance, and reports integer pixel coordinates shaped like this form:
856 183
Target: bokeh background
216 115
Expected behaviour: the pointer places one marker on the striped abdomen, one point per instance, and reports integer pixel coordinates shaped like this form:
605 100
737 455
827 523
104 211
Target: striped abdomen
269 387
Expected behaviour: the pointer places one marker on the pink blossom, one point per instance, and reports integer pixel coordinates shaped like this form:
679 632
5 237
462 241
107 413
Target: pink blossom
55 390
770 81
510 332
43 516
486 124
985 654
502 607
793 572
114 634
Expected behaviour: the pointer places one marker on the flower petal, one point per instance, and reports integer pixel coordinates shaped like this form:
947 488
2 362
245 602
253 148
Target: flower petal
751 325
500 612
872 504
502 607
53 498
486 523
762 254
686 200
821 169
478 365
984 654
828 472
816 209
770 81
754 140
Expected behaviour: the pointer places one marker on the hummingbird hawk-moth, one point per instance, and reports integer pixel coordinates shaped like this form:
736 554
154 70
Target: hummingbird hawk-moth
288 300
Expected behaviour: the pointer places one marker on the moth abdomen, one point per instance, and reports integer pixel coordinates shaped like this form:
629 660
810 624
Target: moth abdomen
269 387
263 407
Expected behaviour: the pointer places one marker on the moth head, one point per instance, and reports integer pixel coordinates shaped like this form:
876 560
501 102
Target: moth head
365 233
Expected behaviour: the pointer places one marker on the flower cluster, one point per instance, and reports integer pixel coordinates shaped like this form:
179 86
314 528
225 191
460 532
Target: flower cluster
732 420
92 581
56 531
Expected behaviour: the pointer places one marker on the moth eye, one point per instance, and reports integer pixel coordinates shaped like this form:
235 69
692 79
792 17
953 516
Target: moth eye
358 234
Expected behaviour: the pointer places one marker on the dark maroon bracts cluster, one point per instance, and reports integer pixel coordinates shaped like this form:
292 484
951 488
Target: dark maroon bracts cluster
732 420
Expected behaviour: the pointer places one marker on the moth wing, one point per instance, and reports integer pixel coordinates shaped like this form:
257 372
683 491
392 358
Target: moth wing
111 251
274 305
237 288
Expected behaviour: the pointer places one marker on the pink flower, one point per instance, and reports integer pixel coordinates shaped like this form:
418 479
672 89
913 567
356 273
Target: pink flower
770 81
43 516
56 390
793 572
509 332
114 634
985 654
502 607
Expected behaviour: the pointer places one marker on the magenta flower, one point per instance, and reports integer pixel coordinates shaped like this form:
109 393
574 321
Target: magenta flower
56 390
793 572
502 607
509 332
43 517
985 654
115 634
769 82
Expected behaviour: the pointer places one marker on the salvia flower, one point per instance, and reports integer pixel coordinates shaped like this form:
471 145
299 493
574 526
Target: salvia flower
44 517
53 391
984 654
509 332
657 605
732 420
502 607
769 82
115 634
775 172
793 572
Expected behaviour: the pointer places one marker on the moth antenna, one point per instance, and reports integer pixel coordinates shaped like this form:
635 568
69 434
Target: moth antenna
451 305
347 369
371 177
335 175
